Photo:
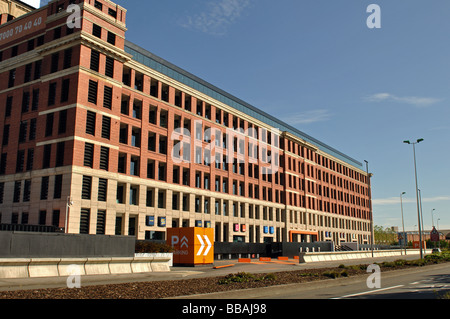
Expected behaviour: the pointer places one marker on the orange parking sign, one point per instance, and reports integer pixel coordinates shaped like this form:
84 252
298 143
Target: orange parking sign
193 246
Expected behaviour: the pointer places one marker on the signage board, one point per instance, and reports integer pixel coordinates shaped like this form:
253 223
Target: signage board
434 235
193 246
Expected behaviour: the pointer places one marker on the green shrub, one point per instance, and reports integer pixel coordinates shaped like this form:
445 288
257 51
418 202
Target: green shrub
151 247
243 277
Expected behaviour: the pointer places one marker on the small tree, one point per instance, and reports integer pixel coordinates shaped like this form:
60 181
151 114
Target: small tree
384 236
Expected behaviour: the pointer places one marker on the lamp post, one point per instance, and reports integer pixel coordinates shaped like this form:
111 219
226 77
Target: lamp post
432 219
69 203
417 192
421 211
403 223
439 233
370 206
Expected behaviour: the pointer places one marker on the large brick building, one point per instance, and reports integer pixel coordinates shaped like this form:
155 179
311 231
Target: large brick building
121 141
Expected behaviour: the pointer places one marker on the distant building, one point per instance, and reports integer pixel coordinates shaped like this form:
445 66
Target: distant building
126 143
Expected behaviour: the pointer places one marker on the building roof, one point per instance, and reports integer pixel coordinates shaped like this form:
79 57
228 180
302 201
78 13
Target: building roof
155 62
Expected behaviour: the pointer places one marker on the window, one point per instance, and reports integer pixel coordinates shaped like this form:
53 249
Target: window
55 218
35 102
30 159
14 51
67 58
84 220
55 63
134 195
149 199
8 108
107 97
104 158
12 78
20 161
17 187
151 142
109 67
163 145
95 60
26 191
137 109
102 189
151 169
97 31
25 102
92 94
32 129
5 135
65 90
37 69
106 127
134 166
42 217
162 172
23 131
28 68
161 199
57 33
57 190
112 13
98 5
86 187
101 222
62 122
52 94
44 188
49 125
47 156
89 155
90 123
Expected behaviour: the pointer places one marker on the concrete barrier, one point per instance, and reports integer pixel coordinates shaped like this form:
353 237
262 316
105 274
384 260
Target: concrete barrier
43 267
63 267
336 256
14 267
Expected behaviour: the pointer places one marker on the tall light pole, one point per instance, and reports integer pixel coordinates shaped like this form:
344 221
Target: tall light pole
421 211
403 223
370 206
432 219
69 203
417 192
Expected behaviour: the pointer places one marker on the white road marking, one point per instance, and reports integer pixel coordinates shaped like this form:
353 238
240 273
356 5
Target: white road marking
369 292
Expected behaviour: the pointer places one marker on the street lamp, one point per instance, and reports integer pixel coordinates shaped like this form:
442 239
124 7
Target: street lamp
370 206
403 223
432 219
69 203
417 191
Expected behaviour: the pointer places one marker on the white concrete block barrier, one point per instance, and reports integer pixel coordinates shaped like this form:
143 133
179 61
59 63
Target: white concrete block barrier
63 267
336 256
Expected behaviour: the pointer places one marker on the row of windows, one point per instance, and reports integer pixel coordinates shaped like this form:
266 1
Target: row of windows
42 218
22 189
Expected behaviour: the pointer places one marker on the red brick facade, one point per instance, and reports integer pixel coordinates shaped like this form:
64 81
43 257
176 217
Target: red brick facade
106 126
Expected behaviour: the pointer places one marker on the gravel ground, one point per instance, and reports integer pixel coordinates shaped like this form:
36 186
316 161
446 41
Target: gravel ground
186 287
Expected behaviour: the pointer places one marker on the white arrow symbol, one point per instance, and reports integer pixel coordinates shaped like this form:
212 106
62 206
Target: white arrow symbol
202 243
209 246
208 242
184 242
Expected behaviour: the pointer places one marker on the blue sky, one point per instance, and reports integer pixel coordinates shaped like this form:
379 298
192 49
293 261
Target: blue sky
316 65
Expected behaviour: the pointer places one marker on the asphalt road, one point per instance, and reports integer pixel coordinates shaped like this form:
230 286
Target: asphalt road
428 282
